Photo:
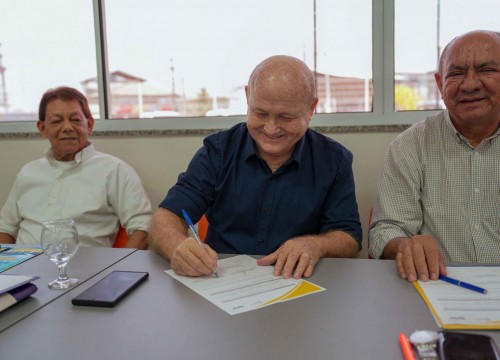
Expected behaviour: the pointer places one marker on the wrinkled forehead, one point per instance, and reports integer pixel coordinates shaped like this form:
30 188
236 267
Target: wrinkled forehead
473 50
281 85
60 103
276 91
64 107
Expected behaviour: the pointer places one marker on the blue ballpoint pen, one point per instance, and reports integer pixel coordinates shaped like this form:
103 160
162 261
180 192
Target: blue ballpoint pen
191 226
463 284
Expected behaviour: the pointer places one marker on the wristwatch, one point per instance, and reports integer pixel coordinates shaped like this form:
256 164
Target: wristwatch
425 341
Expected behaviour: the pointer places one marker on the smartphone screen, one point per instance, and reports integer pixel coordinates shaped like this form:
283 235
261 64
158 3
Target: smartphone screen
108 291
462 346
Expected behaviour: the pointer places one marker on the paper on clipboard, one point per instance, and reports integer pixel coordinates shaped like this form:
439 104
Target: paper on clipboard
244 286
456 308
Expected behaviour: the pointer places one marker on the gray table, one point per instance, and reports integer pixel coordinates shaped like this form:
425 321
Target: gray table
360 316
86 264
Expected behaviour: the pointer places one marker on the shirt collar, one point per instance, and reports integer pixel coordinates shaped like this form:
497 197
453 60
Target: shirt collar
459 137
250 148
81 156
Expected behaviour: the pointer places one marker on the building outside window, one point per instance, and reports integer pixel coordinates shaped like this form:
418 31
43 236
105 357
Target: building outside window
192 58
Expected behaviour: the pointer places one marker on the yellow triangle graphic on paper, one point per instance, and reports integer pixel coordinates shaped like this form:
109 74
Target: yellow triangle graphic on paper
301 289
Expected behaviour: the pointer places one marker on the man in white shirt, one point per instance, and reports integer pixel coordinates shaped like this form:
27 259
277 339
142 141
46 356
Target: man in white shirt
73 180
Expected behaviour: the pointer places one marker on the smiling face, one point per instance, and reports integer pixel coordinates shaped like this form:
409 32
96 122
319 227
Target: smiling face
66 127
281 102
469 80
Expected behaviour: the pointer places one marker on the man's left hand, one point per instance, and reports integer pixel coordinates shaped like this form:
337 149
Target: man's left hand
300 254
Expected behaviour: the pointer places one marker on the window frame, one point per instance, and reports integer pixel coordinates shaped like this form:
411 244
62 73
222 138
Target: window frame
383 113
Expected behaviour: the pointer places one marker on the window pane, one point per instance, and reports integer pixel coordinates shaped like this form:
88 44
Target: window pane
44 44
193 57
421 31
344 55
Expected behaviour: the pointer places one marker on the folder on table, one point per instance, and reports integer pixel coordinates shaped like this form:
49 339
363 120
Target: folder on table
14 288
457 308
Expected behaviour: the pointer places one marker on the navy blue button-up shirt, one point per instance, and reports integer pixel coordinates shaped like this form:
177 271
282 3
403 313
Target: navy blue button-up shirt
252 210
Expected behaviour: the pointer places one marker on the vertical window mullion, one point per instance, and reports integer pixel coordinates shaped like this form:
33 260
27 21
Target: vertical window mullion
102 58
388 56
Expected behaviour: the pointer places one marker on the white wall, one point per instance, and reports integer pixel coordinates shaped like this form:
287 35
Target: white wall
159 160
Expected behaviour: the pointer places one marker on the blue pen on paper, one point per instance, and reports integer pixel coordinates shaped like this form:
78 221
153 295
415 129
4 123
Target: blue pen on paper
195 233
463 284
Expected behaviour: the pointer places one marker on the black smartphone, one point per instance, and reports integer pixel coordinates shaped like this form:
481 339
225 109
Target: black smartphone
463 346
108 291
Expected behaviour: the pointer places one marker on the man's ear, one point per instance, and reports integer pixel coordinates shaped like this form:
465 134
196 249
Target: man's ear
90 122
439 83
247 92
313 106
41 128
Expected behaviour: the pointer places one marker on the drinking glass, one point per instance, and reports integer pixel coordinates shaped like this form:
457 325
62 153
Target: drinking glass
59 242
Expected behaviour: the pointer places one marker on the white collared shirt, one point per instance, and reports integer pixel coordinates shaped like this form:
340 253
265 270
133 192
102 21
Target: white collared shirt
97 190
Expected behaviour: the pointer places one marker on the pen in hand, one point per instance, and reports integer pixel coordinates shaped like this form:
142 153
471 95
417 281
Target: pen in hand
195 233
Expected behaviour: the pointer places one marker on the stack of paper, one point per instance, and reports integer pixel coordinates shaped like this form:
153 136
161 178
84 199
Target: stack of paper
14 288
455 307
243 285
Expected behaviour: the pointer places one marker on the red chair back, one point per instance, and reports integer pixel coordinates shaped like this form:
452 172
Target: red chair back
203 228
121 239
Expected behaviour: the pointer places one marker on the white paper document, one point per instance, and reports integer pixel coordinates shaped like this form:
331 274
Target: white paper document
455 307
243 285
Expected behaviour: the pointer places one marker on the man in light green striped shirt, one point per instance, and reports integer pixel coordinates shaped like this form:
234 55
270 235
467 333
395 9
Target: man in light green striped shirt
439 190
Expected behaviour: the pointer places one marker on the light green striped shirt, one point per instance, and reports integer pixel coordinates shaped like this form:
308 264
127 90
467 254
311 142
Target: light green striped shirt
434 182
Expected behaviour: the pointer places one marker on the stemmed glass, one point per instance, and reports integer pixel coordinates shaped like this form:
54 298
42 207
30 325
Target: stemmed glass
59 242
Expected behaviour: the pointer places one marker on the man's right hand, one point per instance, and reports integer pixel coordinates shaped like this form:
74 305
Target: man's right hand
190 259
418 258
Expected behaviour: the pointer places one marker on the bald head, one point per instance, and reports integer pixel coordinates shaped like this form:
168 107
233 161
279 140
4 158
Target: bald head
286 73
478 36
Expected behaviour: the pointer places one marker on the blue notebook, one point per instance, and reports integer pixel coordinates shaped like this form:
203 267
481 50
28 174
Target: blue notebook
15 255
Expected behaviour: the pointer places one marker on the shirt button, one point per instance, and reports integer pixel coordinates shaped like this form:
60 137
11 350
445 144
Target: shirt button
476 227
476 190
476 153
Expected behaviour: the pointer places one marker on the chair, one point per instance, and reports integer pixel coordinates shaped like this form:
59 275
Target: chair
121 238
203 228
